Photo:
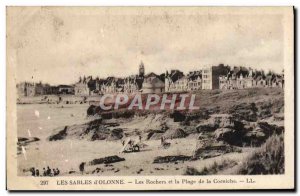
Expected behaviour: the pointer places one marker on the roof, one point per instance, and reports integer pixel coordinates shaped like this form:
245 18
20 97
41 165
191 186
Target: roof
151 74
154 83
175 75
64 86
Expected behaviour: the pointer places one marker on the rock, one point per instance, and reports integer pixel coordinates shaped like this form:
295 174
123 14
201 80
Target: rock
106 160
260 132
216 121
169 159
177 116
91 110
60 135
222 120
228 135
209 148
279 117
174 133
244 111
23 141
154 134
206 127
115 134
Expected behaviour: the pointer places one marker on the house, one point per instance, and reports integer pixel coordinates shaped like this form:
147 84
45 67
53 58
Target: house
112 85
85 86
152 84
65 89
171 79
194 80
130 85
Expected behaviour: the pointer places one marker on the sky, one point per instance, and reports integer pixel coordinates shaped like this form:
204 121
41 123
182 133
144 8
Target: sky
58 45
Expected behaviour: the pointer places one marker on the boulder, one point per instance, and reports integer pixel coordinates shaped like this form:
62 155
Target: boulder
178 116
91 110
174 133
23 141
154 134
228 135
60 135
106 160
170 159
208 148
115 134
221 120
260 132
206 127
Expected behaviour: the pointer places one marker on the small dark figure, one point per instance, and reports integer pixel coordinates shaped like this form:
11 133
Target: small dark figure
44 172
48 171
37 172
57 171
32 171
123 142
54 172
162 140
140 138
81 167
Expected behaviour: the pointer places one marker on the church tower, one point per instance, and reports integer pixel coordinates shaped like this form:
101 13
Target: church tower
142 69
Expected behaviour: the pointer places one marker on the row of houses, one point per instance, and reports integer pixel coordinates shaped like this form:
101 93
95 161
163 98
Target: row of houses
30 89
207 78
240 78
222 77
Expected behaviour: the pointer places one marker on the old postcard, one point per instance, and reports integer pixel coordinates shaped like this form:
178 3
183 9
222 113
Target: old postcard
150 98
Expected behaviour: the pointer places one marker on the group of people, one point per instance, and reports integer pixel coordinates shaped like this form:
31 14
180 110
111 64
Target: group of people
45 172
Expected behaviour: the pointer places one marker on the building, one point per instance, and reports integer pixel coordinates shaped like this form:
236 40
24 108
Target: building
171 80
85 86
131 84
241 78
65 89
211 74
27 89
194 81
152 84
141 70
24 89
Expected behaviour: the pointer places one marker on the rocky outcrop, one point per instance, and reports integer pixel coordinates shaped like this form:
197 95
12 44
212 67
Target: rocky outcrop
60 135
106 160
210 148
170 159
229 135
259 132
154 134
174 133
23 141
93 130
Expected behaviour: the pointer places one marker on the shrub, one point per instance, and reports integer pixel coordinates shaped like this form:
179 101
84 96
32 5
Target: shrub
212 169
268 159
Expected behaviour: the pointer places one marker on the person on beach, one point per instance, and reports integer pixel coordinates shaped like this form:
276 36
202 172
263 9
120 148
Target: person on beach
54 172
32 171
48 171
37 172
162 140
81 167
44 172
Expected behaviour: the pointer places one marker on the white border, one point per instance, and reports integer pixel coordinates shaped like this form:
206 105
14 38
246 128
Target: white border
5 3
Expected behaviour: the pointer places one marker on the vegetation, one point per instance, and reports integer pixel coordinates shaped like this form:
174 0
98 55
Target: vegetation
213 169
268 159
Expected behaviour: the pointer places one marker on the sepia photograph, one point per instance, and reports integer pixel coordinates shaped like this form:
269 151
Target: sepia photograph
150 98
